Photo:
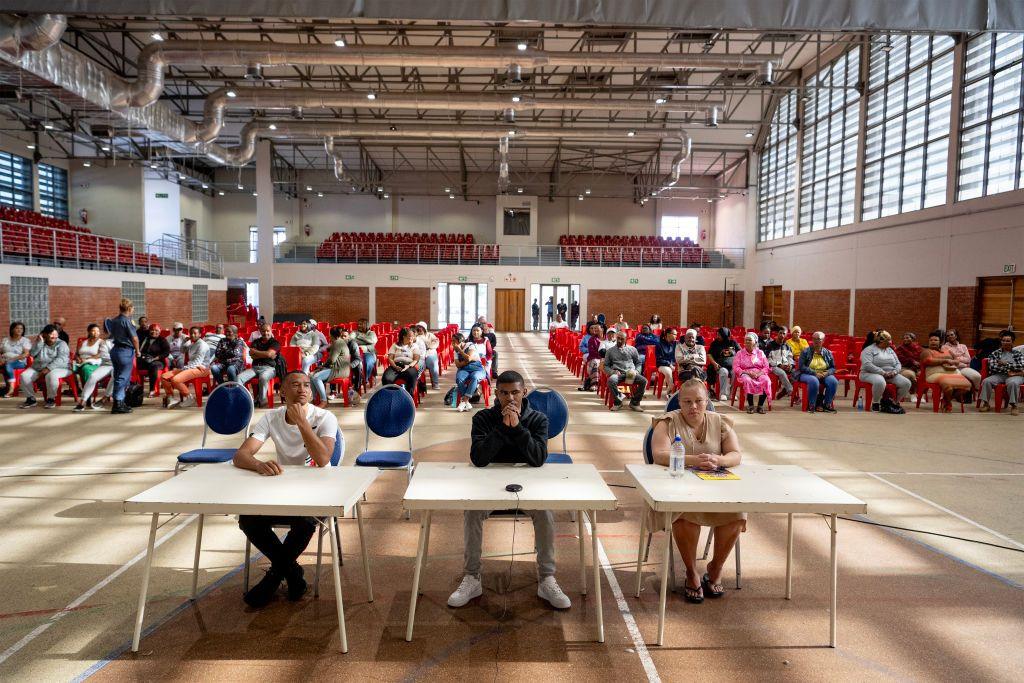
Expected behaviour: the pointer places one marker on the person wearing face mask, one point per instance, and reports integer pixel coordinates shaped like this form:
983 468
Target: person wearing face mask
195 366
723 352
622 365
1005 366
879 366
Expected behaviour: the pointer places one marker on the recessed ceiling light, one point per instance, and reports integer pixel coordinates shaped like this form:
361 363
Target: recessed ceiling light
519 190
580 198
220 193
517 98
272 126
156 36
309 188
254 194
30 146
231 93
87 164
340 42
521 45
371 95
319 194
451 196
105 148
660 100
586 191
387 196
511 132
448 190
48 126
630 133
380 188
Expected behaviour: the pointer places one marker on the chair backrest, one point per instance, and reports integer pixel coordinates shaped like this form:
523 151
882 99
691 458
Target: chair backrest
336 455
648 450
390 412
227 410
548 401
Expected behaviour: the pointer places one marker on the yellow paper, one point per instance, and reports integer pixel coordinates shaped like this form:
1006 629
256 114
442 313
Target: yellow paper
718 475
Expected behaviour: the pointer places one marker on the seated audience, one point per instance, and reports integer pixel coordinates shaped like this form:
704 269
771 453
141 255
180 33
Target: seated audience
750 369
591 347
691 358
510 431
339 364
320 336
817 369
558 323
700 338
307 340
91 366
197 355
656 324
469 373
303 435
961 357
710 444
484 346
51 361
263 351
621 323
781 361
367 341
797 344
723 352
178 340
430 342
608 341
1005 366
622 365
665 355
646 338
14 352
909 353
214 337
940 368
765 337
403 362
58 323
153 353
880 366
228 356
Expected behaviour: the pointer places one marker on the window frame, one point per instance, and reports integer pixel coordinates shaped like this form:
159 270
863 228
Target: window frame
16 181
53 191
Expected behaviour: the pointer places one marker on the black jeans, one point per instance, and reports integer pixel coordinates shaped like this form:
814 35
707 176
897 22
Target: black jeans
151 368
410 375
282 555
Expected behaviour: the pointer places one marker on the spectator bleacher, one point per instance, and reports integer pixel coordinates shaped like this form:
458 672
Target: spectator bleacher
377 247
634 249
40 239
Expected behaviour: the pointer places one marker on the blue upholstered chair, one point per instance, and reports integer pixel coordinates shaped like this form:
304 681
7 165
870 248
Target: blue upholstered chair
551 403
227 410
390 413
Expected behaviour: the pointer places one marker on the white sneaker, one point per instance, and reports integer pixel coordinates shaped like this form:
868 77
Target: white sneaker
171 403
469 588
188 402
550 591
723 397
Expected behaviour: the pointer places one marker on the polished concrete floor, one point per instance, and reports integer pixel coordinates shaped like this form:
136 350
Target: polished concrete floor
911 605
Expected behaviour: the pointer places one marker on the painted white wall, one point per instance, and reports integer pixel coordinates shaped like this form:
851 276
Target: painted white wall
71 277
199 207
161 208
112 194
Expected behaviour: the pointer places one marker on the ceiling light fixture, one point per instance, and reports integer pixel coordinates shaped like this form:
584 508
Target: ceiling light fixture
220 193
371 95
517 98
105 148
254 194
205 186
519 190
319 194
749 133
240 186
586 191
579 198
660 100
387 196
156 36
521 45
451 196
272 126
309 188
631 133
48 126
340 42
87 164
30 146
231 93
511 131
447 190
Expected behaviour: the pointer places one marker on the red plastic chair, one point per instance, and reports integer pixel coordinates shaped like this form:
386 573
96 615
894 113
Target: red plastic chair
485 392
1000 390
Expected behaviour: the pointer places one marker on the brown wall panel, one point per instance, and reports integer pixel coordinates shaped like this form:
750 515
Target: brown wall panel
403 304
81 306
217 306
827 310
167 306
325 304
898 310
960 312
637 306
705 306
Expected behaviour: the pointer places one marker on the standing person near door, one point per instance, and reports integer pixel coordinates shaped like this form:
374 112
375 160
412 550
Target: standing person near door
550 308
563 308
535 309
574 314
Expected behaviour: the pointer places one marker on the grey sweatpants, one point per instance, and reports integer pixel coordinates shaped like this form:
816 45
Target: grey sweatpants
543 532
783 379
1013 385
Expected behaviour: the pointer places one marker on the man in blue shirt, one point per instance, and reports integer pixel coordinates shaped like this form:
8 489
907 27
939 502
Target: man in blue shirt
124 342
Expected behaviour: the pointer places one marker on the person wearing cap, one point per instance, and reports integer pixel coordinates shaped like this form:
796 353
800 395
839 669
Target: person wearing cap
319 335
429 342
153 353
307 339
177 342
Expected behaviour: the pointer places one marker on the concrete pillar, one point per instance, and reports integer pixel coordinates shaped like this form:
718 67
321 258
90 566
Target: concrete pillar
265 229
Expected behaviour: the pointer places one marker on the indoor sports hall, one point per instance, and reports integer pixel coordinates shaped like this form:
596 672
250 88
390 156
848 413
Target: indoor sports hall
449 341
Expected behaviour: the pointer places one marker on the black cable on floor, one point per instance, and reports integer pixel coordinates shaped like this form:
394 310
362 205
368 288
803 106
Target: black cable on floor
930 533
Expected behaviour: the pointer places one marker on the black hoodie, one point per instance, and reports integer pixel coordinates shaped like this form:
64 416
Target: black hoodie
494 442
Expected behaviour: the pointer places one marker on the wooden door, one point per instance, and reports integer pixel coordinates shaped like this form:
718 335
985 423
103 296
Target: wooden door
772 304
509 310
1000 304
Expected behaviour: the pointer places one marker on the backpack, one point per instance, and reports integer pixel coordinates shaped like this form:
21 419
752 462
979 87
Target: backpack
449 398
134 395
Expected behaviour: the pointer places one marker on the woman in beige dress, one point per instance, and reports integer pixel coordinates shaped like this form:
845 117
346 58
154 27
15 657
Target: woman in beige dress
710 444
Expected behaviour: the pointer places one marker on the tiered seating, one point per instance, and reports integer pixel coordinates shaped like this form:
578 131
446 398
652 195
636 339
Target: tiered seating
377 247
634 249
31 235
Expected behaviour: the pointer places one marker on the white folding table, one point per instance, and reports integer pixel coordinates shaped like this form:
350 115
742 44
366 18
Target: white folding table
760 488
223 489
463 486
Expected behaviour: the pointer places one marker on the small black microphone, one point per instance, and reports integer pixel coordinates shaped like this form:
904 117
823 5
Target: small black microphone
513 488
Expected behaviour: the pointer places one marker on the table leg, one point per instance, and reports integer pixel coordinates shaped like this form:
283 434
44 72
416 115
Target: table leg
583 553
426 551
362 546
789 557
420 552
195 561
597 575
832 587
141 609
640 547
335 552
664 578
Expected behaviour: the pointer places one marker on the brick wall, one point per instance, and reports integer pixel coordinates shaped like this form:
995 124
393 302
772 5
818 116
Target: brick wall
167 306
404 304
705 306
898 310
325 304
960 312
636 306
217 306
5 309
827 310
83 305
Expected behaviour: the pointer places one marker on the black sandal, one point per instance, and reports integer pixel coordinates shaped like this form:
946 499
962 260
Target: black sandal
693 596
713 590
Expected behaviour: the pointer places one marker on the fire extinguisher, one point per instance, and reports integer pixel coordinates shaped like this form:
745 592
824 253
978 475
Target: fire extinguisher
84 215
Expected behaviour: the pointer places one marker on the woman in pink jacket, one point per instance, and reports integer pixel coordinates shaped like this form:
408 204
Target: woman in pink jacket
751 370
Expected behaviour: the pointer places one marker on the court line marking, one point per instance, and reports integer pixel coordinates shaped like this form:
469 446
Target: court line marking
45 626
627 615
948 511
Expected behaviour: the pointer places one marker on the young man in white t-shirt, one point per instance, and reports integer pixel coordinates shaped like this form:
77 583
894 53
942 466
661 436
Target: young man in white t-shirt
303 435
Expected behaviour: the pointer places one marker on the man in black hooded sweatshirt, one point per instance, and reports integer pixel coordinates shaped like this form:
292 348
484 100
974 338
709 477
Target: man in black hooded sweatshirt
510 431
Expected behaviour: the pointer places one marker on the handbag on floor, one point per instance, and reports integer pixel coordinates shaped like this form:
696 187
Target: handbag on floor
134 395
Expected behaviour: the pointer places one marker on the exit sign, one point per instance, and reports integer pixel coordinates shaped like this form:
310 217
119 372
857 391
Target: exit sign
634 281
556 279
350 277
463 278
1010 268
162 195
393 277
671 280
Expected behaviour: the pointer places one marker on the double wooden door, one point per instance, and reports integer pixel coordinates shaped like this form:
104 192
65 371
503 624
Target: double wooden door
773 305
509 310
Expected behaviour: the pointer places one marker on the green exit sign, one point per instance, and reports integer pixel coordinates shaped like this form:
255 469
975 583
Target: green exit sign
671 280
634 281
394 277
463 278
162 195
556 279
350 277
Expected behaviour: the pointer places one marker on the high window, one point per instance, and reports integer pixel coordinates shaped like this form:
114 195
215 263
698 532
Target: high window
776 181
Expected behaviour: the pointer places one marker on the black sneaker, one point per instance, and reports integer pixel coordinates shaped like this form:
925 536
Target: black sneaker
50 404
829 408
29 403
120 408
875 408
262 593
297 585
79 408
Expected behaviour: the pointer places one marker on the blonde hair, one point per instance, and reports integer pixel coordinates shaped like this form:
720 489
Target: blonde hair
126 305
694 383
797 329
882 335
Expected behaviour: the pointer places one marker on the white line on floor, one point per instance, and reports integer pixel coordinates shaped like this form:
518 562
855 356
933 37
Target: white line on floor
42 628
948 511
627 616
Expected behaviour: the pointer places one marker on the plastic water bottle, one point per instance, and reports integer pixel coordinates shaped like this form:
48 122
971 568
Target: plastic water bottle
860 403
677 458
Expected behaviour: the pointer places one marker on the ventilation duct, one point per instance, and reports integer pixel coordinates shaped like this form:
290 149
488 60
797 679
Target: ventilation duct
503 177
339 165
678 161
30 34
156 57
303 98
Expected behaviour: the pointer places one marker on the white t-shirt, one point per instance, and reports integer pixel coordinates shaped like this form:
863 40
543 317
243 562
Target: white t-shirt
12 349
291 450
558 325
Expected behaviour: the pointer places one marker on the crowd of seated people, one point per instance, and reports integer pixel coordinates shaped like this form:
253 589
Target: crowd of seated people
375 247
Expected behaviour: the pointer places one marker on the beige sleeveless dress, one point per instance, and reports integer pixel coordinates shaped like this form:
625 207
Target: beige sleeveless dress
707 438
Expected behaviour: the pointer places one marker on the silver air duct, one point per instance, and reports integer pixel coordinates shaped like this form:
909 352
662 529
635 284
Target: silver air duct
678 161
339 165
156 57
503 177
30 34
304 98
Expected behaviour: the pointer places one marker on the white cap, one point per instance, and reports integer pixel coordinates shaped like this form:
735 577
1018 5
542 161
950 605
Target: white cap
312 322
